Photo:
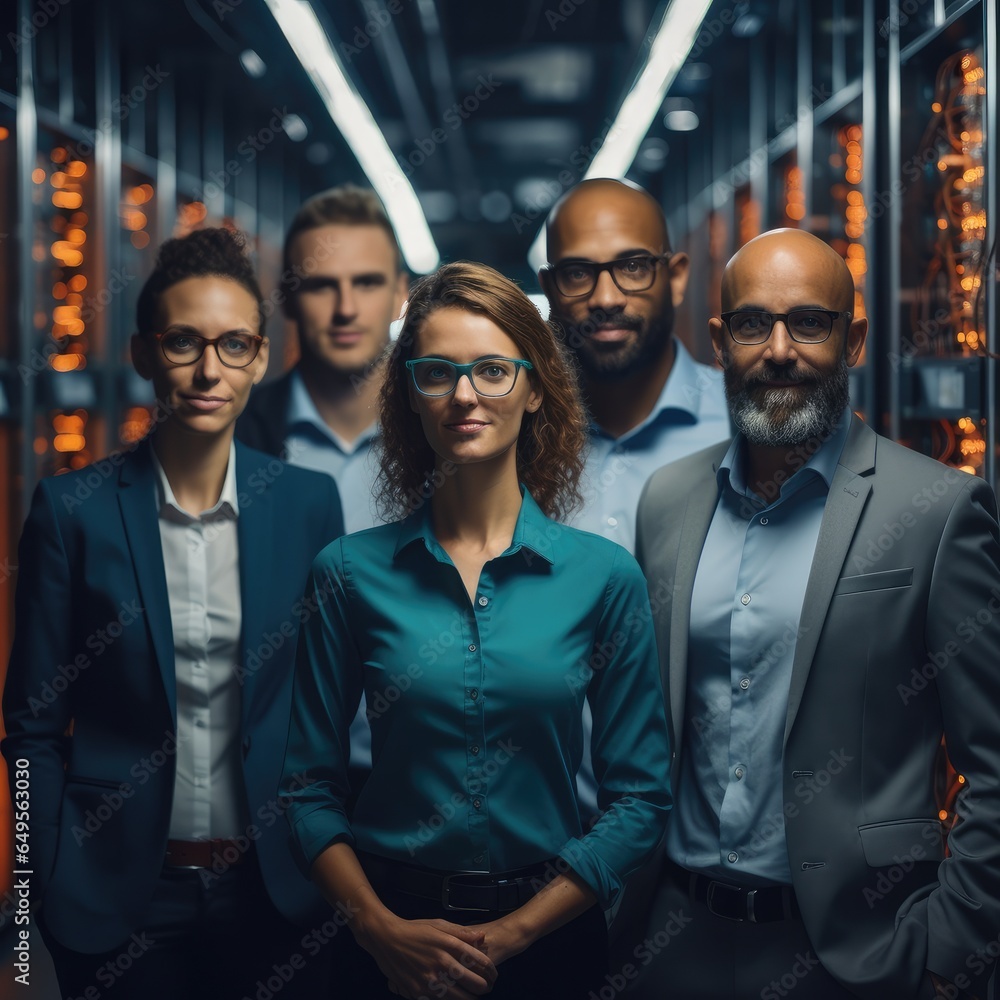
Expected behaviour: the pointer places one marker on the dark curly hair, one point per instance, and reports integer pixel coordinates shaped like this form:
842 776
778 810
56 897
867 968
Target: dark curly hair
217 253
551 442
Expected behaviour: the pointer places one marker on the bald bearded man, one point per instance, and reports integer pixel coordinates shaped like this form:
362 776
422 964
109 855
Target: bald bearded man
835 608
613 283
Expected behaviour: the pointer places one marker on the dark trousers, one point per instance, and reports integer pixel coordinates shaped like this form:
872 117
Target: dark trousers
214 938
690 953
565 965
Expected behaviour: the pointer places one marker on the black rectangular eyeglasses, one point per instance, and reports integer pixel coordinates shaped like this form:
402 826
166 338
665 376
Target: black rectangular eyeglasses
805 326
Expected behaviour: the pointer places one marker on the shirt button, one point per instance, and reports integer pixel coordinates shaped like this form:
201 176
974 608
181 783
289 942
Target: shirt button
732 857
475 750
472 647
476 803
474 693
483 601
763 520
739 772
745 600
613 522
745 683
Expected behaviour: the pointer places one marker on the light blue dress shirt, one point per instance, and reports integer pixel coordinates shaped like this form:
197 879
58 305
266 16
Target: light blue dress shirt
745 611
312 445
476 705
690 414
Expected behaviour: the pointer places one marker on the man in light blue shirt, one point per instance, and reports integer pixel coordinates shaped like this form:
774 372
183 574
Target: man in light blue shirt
745 619
613 284
343 284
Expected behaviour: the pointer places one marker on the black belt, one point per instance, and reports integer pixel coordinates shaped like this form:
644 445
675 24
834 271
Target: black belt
757 904
496 892
206 853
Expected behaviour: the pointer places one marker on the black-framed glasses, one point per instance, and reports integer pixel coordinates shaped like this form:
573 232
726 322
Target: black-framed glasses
805 326
575 278
489 376
234 350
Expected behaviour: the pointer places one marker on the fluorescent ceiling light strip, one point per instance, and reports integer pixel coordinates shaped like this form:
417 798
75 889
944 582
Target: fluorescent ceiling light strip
667 53
351 115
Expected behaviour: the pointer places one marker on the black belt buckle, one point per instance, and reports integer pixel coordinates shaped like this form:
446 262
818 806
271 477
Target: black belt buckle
446 893
734 896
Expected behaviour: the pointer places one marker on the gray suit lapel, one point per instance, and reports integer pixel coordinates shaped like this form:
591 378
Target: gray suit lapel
848 494
693 531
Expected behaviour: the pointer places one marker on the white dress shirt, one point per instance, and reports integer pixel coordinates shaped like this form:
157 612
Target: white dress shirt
201 559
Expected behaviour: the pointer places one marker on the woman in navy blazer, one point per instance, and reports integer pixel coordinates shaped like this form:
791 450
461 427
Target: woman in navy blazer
149 684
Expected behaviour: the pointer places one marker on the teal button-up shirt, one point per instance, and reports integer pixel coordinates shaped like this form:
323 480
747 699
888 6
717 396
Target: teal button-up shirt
475 705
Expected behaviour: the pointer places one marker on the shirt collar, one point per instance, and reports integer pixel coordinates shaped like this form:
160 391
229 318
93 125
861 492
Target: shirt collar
681 393
684 386
302 410
228 506
822 462
533 531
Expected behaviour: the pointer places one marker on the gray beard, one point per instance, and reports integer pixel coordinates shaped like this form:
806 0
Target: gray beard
782 421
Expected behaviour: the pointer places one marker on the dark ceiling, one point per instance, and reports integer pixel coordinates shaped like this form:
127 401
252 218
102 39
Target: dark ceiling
492 109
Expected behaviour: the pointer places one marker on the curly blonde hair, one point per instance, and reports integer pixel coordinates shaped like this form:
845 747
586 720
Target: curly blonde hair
551 442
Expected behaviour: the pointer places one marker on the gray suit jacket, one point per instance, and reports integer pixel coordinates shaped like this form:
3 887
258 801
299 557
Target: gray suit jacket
899 641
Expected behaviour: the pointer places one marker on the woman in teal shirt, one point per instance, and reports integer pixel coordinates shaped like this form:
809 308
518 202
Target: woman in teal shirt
476 626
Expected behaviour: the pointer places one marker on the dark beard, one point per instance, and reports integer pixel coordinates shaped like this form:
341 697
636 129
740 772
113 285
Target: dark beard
782 419
603 364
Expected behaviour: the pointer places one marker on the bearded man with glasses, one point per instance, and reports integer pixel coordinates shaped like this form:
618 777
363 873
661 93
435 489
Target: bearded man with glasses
835 610
613 283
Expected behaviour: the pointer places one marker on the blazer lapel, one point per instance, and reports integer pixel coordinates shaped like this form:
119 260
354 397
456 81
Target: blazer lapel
849 493
257 535
694 526
137 502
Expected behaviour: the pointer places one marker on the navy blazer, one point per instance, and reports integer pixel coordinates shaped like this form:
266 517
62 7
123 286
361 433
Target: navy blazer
93 649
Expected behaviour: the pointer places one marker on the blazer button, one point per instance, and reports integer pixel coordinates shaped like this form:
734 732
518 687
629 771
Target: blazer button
246 747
